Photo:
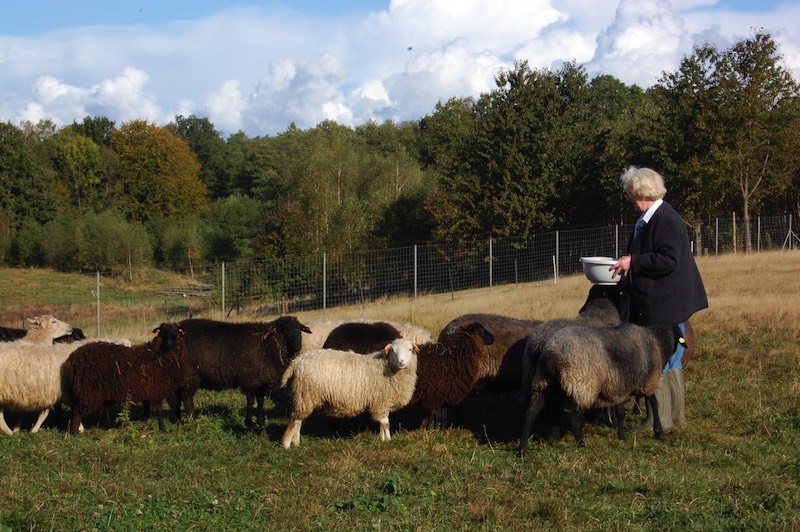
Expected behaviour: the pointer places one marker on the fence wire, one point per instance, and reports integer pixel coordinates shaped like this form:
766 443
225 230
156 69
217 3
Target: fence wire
147 297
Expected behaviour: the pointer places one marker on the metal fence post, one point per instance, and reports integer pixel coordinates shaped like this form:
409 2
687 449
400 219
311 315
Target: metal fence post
324 281
555 261
490 262
415 272
97 295
222 295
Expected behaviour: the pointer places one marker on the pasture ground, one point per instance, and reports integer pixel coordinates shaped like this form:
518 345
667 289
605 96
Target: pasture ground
736 467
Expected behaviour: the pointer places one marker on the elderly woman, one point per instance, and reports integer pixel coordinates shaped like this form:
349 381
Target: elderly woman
663 282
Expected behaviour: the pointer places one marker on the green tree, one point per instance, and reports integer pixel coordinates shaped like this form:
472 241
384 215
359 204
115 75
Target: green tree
159 174
757 98
26 179
78 162
444 141
180 241
98 129
692 135
733 114
207 143
96 241
232 224
614 116
529 145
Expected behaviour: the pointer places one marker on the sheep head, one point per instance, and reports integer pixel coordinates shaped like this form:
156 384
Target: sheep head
50 325
401 353
166 336
292 330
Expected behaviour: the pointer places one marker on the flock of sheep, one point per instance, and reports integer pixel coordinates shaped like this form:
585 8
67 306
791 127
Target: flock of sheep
555 370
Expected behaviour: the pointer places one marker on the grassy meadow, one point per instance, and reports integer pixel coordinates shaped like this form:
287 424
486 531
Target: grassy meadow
736 467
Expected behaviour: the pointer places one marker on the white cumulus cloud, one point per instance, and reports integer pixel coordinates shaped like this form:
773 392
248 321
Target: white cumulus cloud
260 67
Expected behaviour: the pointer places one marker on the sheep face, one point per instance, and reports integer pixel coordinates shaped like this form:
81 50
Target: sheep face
293 330
166 336
401 353
55 327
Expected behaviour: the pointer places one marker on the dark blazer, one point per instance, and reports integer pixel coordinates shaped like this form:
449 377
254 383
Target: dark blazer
665 284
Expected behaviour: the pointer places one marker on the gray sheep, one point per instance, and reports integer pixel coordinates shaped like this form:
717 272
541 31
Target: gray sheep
620 300
251 356
345 384
598 312
583 367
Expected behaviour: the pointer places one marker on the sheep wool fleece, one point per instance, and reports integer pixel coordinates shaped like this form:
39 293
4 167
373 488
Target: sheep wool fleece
670 394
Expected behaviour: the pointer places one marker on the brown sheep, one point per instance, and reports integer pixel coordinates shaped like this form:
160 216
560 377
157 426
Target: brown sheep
448 370
102 373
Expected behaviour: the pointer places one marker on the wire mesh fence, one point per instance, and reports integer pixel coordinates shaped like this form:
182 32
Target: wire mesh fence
146 297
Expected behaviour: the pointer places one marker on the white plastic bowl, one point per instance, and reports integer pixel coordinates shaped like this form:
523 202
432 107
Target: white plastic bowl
596 269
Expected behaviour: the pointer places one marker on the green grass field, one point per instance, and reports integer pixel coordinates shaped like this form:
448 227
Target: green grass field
736 467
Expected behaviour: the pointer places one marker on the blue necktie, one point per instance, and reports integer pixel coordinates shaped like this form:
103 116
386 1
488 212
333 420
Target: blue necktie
638 227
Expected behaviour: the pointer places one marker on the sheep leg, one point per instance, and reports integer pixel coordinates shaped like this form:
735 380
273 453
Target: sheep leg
75 423
4 426
576 421
260 414
188 406
250 397
292 434
174 403
42 416
657 428
384 423
159 412
618 417
533 411
438 419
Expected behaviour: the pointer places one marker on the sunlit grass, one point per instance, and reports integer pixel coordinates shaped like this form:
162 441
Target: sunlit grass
735 467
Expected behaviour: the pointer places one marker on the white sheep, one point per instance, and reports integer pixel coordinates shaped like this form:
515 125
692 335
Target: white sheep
31 378
584 367
43 330
345 384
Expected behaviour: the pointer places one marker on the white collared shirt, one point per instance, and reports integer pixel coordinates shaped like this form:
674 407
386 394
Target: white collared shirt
649 212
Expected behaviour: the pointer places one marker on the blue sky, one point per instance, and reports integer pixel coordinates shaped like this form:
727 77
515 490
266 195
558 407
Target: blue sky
257 66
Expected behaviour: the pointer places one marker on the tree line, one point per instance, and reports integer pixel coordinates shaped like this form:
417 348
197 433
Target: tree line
544 149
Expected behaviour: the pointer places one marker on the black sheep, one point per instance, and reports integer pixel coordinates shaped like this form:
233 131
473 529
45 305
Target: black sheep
251 356
362 337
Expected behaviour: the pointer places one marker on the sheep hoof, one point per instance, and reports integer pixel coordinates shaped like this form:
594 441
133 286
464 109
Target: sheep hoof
660 435
581 443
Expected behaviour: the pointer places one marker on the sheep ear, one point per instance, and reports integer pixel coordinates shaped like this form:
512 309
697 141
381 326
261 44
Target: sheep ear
156 331
387 349
416 348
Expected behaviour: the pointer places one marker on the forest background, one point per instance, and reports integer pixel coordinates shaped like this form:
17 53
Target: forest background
542 150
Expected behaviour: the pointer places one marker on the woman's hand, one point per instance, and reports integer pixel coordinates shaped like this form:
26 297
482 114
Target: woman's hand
620 267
